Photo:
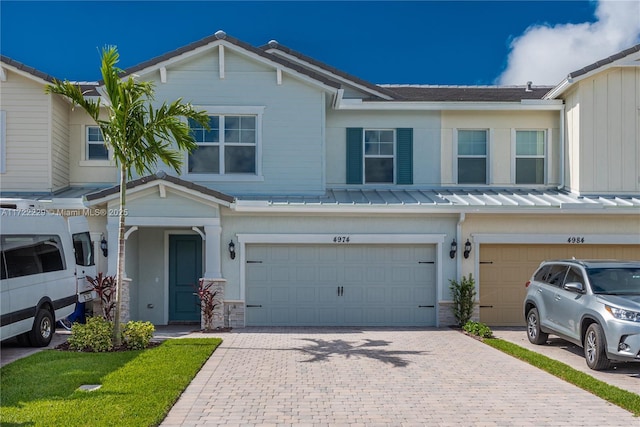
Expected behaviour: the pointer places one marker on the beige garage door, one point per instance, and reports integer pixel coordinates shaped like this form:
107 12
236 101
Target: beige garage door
504 270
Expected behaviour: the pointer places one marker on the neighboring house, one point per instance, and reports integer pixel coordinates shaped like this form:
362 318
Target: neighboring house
342 198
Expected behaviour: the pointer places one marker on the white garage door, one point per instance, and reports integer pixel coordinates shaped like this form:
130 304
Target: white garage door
504 270
334 285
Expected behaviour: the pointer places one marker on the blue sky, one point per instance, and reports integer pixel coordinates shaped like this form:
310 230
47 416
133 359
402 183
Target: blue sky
419 42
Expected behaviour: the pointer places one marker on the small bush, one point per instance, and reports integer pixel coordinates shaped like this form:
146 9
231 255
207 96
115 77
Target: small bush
463 294
479 329
137 335
94 336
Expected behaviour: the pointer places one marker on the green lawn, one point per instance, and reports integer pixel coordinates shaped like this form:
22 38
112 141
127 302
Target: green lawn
623 398
138 387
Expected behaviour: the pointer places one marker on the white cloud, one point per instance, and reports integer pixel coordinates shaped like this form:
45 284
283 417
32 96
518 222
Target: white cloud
545 54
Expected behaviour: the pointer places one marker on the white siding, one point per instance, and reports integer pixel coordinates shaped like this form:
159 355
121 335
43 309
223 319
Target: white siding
60 143
28 117
603 132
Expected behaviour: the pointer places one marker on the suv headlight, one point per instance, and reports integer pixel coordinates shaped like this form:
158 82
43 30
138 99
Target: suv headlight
622 314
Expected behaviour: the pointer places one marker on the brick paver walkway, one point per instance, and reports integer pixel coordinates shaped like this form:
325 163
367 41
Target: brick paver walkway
323 376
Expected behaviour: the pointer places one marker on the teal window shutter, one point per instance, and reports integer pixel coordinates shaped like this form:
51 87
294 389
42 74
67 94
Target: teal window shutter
404 152
354 155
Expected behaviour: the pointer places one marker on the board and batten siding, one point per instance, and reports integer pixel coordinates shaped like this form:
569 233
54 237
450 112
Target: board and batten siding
292 123
28 119
603 131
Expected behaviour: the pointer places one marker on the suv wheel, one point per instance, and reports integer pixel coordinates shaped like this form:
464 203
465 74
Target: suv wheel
534 333
594 348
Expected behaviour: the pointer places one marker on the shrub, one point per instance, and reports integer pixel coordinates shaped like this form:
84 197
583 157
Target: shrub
479 329
208 302
137 334
463 294
105 287
95 335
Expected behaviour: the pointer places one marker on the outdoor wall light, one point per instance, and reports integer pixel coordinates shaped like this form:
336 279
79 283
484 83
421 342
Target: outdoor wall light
104 246
454 249
232 250
467 248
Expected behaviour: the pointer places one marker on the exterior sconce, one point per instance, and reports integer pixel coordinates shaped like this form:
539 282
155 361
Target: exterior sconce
232 250
454 249
104 246
467 248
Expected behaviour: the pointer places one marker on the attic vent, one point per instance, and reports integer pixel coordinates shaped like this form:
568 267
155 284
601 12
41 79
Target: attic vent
273 43
528 89
220 35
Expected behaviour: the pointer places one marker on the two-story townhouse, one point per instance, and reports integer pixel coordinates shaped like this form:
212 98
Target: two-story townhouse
318 198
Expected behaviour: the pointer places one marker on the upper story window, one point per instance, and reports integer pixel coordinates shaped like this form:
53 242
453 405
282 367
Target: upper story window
472 156
379 156
530 156
95 148
229 147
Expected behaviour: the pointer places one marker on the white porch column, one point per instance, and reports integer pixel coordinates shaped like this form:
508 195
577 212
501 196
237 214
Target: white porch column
212 262
112 246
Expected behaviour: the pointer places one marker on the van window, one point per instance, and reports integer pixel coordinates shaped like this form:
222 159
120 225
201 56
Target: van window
32 254
83 249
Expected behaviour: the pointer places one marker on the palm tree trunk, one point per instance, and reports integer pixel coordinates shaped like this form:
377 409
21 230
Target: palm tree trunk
117 339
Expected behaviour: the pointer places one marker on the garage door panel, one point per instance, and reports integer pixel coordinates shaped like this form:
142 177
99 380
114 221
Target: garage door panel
354 285
504 270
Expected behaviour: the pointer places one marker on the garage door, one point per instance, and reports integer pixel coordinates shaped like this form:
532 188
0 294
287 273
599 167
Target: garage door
504 270
348 285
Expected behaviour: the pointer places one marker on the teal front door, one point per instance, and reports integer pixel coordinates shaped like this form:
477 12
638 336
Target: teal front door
185 269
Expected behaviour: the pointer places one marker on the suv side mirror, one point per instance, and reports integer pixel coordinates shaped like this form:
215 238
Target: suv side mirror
574 287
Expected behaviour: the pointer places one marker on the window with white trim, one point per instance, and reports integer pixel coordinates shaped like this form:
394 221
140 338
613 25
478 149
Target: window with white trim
229 147
95 147
530 156
472 156
379 156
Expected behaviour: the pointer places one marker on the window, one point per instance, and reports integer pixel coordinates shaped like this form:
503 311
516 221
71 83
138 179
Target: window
31 254
229 147
83 248
472 157
379 156
96 149
530 153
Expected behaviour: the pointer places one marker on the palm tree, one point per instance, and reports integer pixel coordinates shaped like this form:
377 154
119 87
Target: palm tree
138 134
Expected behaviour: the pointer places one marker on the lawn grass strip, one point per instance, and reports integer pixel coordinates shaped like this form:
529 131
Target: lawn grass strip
138 387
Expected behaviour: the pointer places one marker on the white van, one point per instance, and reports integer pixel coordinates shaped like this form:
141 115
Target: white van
38 273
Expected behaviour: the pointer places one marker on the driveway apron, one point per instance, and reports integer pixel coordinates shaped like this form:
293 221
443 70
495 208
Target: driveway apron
346 376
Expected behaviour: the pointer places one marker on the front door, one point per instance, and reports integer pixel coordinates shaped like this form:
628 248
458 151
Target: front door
185 269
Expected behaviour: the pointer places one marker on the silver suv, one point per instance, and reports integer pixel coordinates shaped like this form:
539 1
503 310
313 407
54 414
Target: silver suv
593 304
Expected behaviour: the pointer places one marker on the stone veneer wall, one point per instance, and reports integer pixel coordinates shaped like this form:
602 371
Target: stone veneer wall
234 314
446 317
218 312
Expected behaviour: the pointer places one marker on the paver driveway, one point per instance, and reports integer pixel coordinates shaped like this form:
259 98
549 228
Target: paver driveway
305 376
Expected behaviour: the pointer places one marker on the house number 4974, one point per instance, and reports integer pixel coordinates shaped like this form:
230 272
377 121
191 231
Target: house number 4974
341 239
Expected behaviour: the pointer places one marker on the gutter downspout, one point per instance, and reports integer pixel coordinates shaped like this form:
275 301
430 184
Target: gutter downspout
460 245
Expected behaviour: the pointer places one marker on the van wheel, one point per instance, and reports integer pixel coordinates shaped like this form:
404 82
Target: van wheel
43 329
595 348
534 332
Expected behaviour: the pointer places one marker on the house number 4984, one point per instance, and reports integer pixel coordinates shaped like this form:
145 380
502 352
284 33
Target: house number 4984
341 239
575 239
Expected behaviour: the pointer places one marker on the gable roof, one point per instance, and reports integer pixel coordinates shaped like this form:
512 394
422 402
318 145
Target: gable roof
33 73
113 192
216 39
610 61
